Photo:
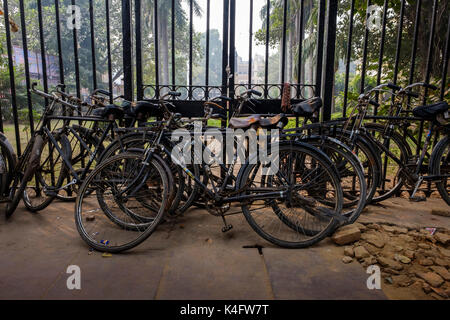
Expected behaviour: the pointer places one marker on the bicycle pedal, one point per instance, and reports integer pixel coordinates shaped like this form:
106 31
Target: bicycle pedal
227 228
417 199
51 193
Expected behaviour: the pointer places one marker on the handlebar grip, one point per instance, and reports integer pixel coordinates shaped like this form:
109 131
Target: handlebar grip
256 93
374 103
174 93
393 86
412 94
101 91
224 98
430 86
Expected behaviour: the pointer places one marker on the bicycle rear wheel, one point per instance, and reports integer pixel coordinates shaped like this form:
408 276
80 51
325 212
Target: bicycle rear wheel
109 220
49 176
392 179
350 171
28 164
312 205
440 166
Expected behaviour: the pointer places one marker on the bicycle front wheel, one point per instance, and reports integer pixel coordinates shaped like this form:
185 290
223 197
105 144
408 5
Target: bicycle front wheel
109 211
440 166
312 203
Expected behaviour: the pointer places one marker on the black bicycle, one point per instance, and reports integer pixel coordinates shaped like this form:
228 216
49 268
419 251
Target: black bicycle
295 207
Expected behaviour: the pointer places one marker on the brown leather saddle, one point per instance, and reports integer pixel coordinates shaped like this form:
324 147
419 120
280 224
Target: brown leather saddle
256 121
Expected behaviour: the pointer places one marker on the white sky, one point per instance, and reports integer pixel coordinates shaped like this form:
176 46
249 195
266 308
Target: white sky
242 23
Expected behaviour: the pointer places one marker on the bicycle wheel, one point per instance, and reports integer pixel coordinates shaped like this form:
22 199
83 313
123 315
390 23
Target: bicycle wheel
28 163
8 162
350 172
440 165
368 157
184 191
49 176
114 229
80 156
391 173
304 215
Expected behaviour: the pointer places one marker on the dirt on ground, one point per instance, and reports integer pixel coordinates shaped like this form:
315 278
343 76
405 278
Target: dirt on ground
414 263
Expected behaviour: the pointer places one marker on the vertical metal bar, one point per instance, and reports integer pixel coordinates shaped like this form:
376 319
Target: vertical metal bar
94 62
42 43
381 53
283 43
430 48
226 11
27 65
364 60
320 39
329 64
445 66
173 45
300 49
232 45
75 53
137 15
250 46
191 29
58 40
348 58
155 8
108 44
415 39
208 13
12 81
127 47
266 70
428 69
399 41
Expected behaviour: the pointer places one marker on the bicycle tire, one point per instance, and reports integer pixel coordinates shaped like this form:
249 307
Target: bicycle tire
405 154
146 228
438 157
301 149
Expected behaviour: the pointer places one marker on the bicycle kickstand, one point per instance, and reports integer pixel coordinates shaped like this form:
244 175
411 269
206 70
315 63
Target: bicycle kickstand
227 227
416 188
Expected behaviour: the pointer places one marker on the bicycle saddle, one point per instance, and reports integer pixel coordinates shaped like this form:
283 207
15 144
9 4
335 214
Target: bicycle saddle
429 112
145 109
308 107
279 121
244 123
110 112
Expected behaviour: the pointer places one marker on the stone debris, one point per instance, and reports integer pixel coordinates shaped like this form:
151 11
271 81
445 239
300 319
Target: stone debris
402 280
440 212
424 246
361 252
375 240
442 238
426 262
418 259
443 272
389 263
348 251
345 235
402 258
347 259
433 279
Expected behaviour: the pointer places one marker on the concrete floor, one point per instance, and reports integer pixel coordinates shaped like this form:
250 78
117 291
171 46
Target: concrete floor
188 259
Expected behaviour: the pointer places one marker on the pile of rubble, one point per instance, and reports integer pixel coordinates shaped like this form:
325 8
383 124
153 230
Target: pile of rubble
417 259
